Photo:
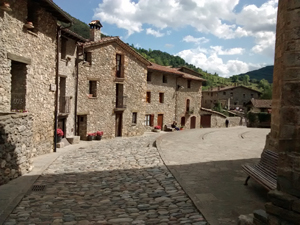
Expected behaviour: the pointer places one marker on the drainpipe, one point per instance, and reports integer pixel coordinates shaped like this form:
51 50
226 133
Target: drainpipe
176 98
76 90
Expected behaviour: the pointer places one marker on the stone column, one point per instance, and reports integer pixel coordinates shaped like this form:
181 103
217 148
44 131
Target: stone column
285 129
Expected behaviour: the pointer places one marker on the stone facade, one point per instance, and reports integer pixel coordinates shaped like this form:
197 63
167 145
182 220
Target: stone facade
110 108
217 120
33 52
178 92
237 96
16 146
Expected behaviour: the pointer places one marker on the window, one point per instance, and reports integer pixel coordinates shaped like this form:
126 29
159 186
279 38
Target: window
231 94
161 97
149 120
149 76
224 93
32 16
165 79
88 57
244 95
119 65
212 94
93 88
134 117
63 47
251 95
148 97
188 83
187 105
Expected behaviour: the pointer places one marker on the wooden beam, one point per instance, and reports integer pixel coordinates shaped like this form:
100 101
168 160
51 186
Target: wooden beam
17 58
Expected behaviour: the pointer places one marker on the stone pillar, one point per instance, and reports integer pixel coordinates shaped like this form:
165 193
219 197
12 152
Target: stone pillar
285 129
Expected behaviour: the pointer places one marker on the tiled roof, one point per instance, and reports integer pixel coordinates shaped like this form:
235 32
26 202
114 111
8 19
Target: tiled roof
73 35
217 89
174 71
261 103
117 40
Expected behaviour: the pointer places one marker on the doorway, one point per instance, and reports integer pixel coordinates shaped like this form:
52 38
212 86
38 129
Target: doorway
82 126
18 85
160 120
119 121
62 125
205 121
193 122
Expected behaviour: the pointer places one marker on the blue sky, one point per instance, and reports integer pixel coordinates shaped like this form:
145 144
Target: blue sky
223 36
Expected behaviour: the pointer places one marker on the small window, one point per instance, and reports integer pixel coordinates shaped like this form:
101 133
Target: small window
88 57
187 105
148 97
149 76
231 94
149 120
32 17
251 95
134 117
161 97
208 93
63 48
212 94
165 80
244 95
188 83
224 93
119 66
93 88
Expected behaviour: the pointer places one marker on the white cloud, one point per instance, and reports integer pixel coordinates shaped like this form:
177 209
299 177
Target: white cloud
232 51
199 40
154 32
210 61
265 44
169 45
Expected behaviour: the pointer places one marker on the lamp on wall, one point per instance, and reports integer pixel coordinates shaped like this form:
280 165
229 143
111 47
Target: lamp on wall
5 6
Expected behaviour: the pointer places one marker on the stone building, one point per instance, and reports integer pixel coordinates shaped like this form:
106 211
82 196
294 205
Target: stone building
172 95
230 97
111 87
28 71
67 81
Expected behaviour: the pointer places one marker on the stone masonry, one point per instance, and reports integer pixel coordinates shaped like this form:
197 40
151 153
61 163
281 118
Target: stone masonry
35 50
16 147
100 110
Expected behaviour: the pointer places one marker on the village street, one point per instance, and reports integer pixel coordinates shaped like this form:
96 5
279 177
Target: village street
125 181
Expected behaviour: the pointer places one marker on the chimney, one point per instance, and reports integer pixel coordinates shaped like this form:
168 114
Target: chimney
95 30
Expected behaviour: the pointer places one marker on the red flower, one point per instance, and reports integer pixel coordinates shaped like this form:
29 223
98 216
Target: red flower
91 134
99 133
157 127
59 132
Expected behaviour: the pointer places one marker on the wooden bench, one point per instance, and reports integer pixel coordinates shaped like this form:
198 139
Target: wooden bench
265 172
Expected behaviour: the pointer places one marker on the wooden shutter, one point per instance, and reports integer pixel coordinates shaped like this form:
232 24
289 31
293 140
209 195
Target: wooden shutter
151 120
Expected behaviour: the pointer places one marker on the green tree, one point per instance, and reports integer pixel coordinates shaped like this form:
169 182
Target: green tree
246 79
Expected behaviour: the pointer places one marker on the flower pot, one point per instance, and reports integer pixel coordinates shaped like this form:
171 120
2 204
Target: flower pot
98 137
155 130
90 138
6 7
58 139
29 25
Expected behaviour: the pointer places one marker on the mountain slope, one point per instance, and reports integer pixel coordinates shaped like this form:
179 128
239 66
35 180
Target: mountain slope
262 73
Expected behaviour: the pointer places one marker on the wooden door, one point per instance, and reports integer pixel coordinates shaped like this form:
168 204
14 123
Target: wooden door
82 126
193 122
119 121
160 120
205 121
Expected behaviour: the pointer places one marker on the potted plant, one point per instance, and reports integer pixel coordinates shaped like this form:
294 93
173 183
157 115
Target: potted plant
6 6
99 135
156 128
90 136
181 128
59 135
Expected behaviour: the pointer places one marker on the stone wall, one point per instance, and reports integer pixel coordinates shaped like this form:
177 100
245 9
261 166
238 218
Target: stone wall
100 110
67 71
238 99
37 51
16 147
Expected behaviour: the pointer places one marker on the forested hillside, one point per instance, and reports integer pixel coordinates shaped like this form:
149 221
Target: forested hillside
262 73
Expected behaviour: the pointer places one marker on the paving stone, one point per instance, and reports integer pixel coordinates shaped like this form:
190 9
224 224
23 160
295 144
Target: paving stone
119 181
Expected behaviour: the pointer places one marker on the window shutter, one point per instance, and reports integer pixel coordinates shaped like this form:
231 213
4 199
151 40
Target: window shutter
151 120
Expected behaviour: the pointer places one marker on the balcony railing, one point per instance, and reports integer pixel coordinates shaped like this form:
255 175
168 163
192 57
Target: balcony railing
64 105
120 102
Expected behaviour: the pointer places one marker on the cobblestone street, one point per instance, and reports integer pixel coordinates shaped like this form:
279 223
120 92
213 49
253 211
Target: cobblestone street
118 181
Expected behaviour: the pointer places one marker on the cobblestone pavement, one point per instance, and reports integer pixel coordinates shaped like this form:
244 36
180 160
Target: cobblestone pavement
119 181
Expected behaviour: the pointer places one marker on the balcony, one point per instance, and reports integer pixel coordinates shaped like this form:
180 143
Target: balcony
64 105
120 103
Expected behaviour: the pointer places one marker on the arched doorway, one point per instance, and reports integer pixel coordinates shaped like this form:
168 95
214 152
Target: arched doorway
182 121
193 122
